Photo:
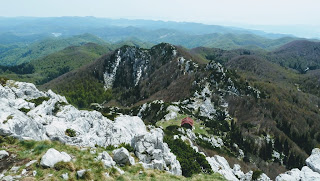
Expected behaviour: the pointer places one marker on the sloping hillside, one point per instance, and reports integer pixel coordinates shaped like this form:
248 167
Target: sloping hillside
136 74
25 53
42 70
301 55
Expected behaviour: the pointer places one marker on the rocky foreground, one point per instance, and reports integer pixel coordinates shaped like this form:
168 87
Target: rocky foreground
29 114
50 120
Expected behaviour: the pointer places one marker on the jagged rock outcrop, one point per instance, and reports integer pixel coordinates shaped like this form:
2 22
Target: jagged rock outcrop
122 156
52 156
220 165
307 173
21 118
154 153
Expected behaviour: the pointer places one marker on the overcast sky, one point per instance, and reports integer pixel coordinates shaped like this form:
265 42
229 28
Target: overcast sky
223 12
208 11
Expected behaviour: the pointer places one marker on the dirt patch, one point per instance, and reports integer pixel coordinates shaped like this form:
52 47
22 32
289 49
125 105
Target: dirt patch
8 162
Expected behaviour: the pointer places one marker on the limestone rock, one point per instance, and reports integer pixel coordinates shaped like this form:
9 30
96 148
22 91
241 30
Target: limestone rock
154 153
30 163
23 172
3 154
122 156
52 156
40 123
309 172
263 177
65 176
7 178
106 159
119 170
14 169
80 173
92 128
313 161
237 171
220 164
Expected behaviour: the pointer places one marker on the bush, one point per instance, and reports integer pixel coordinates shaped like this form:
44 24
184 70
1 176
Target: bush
39 100
25 110
110 147
256 174
3 81
172 130
70 133
191 162
64 165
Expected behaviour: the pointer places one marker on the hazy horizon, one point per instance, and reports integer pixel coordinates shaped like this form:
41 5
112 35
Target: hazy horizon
300 18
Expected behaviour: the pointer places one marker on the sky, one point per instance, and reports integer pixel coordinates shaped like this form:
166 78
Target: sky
242 13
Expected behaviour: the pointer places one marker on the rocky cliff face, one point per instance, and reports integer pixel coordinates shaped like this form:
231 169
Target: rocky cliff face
136 74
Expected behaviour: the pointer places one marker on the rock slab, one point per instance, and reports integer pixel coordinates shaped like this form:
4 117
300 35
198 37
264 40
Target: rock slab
52 156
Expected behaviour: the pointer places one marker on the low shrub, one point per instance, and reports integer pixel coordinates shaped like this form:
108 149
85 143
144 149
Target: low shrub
70 132
39 100
25 110
64 165
256 174
191 162
3 81
110 147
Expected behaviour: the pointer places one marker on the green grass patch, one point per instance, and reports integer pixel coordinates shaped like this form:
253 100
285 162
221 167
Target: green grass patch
39 100
34 150
198 124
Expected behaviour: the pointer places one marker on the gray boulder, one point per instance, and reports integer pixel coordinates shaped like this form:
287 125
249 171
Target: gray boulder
65 176
122 156
81 173
3 154
7 178
313 161
52 156
106 159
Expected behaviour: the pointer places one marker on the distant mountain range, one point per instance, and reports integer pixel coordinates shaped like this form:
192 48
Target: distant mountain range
20 38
